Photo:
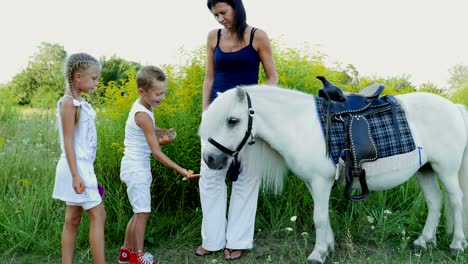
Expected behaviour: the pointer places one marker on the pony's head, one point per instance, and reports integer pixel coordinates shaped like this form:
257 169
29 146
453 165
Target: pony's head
224 128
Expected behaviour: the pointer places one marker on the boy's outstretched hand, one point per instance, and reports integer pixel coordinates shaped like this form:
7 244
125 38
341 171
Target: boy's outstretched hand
190 175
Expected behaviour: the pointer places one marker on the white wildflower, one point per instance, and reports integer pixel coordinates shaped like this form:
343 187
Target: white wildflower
293 219
304 234
387 212
370 219
288 229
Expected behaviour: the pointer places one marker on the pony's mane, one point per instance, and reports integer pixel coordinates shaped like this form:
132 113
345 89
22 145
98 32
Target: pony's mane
277 91
262 160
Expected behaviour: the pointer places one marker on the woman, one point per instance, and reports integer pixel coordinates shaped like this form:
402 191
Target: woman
233 58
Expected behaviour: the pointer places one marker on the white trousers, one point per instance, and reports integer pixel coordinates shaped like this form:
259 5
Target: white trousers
237 231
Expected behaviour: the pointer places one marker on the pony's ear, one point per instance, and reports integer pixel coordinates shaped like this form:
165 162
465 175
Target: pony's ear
240 93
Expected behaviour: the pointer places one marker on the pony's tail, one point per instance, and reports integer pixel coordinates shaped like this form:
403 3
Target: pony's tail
262 160
463 181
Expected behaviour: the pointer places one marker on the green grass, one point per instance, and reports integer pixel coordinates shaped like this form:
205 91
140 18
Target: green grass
377 230
270 247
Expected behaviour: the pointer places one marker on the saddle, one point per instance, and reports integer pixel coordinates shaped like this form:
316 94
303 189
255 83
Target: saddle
351 110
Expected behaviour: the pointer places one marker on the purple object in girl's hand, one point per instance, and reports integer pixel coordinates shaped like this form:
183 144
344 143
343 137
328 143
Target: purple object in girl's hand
101 190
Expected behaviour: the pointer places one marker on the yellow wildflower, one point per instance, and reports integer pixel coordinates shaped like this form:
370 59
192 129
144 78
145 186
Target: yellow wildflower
25 182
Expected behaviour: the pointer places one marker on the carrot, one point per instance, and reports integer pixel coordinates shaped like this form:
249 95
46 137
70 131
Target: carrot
164 139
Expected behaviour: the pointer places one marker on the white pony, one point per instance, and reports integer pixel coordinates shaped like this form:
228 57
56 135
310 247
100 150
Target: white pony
289 136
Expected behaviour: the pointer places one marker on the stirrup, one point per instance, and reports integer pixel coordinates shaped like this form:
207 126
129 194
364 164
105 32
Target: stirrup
349 186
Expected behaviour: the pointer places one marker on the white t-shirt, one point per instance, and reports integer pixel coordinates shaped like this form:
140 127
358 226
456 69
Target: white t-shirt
136 147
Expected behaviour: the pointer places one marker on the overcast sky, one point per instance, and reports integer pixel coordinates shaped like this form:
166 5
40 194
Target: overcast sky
422 38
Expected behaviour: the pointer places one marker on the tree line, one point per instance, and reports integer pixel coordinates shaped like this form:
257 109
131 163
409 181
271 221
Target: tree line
41 83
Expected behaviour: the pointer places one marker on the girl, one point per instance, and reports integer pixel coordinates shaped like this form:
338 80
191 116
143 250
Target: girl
75 181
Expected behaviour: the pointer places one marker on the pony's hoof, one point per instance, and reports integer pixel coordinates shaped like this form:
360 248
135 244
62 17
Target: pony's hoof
420 244
458 247
327 260
314 261
457 251
417 248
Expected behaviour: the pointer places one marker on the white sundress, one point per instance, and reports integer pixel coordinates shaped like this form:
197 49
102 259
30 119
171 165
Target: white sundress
85 143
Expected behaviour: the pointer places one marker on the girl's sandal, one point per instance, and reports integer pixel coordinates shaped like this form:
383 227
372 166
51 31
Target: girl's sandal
232 254
202 252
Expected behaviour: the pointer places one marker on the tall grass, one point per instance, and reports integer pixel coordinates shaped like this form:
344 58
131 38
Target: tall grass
31 221
28 157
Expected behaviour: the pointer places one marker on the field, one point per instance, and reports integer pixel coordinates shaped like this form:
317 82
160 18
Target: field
378 230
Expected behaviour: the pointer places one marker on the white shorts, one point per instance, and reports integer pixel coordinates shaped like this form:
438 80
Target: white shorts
138 180
139 196
85 205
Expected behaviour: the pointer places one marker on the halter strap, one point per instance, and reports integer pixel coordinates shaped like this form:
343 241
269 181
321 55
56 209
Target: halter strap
248 134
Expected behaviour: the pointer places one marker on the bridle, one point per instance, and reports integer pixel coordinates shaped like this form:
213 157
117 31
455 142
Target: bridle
234 168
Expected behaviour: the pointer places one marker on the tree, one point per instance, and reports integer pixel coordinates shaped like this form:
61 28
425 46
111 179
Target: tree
459 76
432 88
115 69
459 84
400 84
42 82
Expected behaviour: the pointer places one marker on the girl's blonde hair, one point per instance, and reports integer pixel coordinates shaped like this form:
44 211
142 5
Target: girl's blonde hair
78 62
147 75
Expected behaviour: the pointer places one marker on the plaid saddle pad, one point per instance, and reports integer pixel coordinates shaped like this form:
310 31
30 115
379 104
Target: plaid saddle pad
382 131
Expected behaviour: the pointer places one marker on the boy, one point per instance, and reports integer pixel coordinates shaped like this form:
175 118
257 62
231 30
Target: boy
135 172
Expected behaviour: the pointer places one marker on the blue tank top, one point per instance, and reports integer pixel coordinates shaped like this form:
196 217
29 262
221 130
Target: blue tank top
234 68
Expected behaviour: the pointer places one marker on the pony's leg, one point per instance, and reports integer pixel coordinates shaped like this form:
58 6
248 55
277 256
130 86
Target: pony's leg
428 183
455 195
324 241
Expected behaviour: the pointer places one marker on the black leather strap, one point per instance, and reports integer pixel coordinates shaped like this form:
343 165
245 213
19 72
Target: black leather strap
234 168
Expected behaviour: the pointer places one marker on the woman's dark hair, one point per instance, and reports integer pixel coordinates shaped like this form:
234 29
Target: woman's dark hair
240 18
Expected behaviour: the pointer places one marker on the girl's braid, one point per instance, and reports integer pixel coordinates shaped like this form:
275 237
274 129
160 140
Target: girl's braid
77 62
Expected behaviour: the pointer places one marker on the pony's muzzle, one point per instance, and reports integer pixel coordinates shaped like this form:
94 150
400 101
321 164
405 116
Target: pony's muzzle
215 161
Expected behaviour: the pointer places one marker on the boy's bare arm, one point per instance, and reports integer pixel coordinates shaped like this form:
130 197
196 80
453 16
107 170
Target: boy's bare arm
144 121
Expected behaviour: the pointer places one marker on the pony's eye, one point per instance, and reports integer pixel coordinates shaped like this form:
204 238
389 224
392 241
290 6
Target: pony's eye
233 120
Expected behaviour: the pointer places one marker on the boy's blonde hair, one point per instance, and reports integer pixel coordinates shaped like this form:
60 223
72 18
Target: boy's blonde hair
147 75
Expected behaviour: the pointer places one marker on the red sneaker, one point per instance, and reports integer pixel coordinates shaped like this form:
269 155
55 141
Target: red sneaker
124 255
141 258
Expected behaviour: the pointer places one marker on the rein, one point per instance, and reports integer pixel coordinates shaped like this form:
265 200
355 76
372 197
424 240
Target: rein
234 168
